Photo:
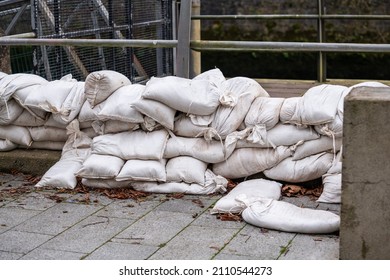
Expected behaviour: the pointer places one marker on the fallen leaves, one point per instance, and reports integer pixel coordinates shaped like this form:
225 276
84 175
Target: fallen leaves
296 191
229 217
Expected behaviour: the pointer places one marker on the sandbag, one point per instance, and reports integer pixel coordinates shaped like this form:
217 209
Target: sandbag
186 128
312 147
331 181
89 114
248 161
100 85
27 119
7 145
9 112
46 133
214 76
143 170
16 134
105 183
251 190
45 145
288 108
265 111
186 169
306 169
112 126
132 145
100 167
208 151
118 105
283 216
157 111
199 97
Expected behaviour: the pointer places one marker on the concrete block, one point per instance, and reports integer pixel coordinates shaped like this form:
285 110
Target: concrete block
21 242
122 251
47 254
365 215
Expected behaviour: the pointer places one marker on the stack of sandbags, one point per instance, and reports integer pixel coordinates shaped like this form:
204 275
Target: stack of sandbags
34 113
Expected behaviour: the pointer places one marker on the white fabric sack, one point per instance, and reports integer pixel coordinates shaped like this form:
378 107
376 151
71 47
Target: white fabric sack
280 135
132 145
45 133
6 145
199 97
186 169
332 181
100 85
118 105
158 111
252 189
186 128
288 109
264 110
90 132
143 170
88 114
213 184
238 95
318 105
105 183
112 126
248 161
2 75
214 76
306 169
312 147
208 151
283 216
46 145
16 134
27 119
100 167
9 112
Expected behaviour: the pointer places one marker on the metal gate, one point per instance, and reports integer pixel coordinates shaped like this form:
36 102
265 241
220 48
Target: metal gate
103 19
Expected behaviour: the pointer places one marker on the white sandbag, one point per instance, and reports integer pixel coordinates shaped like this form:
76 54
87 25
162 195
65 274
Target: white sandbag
186 128
280 135
90 132
118 105
150 124
100 85
158 111
298 171
199 97
143 170
332 181
283 216
9 112
50 96
27 119
289 108
132 145
252 190
46 145
2 75
46 133
248 161
264 110
186 169
312 147
213 184
112 126
16 134
318 105
208 151
100 167
105 183
7 145
214 76
55 122
88 114
238 95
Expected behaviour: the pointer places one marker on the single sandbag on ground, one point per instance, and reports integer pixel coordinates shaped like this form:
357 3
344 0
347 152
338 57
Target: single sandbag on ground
100 85
252 189
143 170
248 161
283 216
199 97
298 171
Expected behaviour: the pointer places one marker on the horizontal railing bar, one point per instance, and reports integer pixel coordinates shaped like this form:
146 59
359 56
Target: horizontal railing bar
90 42
21 35
291 16
287 46
11 2
86 32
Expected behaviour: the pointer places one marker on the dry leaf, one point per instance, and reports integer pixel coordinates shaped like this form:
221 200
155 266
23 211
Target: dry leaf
229 217
198 202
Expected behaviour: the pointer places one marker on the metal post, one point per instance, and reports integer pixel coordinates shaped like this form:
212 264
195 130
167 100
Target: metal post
195 62
321 64
183 46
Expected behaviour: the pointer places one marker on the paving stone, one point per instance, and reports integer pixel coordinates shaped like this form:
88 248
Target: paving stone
122 251
47 254
10 217
195 242
33 201
88 235
208 220
223 256
156 228
58 218
9 255
312 247
14 184
128 209
91 199
259 243
21 242
191 204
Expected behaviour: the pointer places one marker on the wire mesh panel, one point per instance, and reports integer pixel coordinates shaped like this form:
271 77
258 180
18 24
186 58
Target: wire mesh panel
103 19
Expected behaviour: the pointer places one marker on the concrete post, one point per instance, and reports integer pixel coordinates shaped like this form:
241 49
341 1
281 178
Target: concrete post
365 208
195 61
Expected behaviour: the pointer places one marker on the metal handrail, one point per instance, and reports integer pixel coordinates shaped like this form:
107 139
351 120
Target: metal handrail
293 16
